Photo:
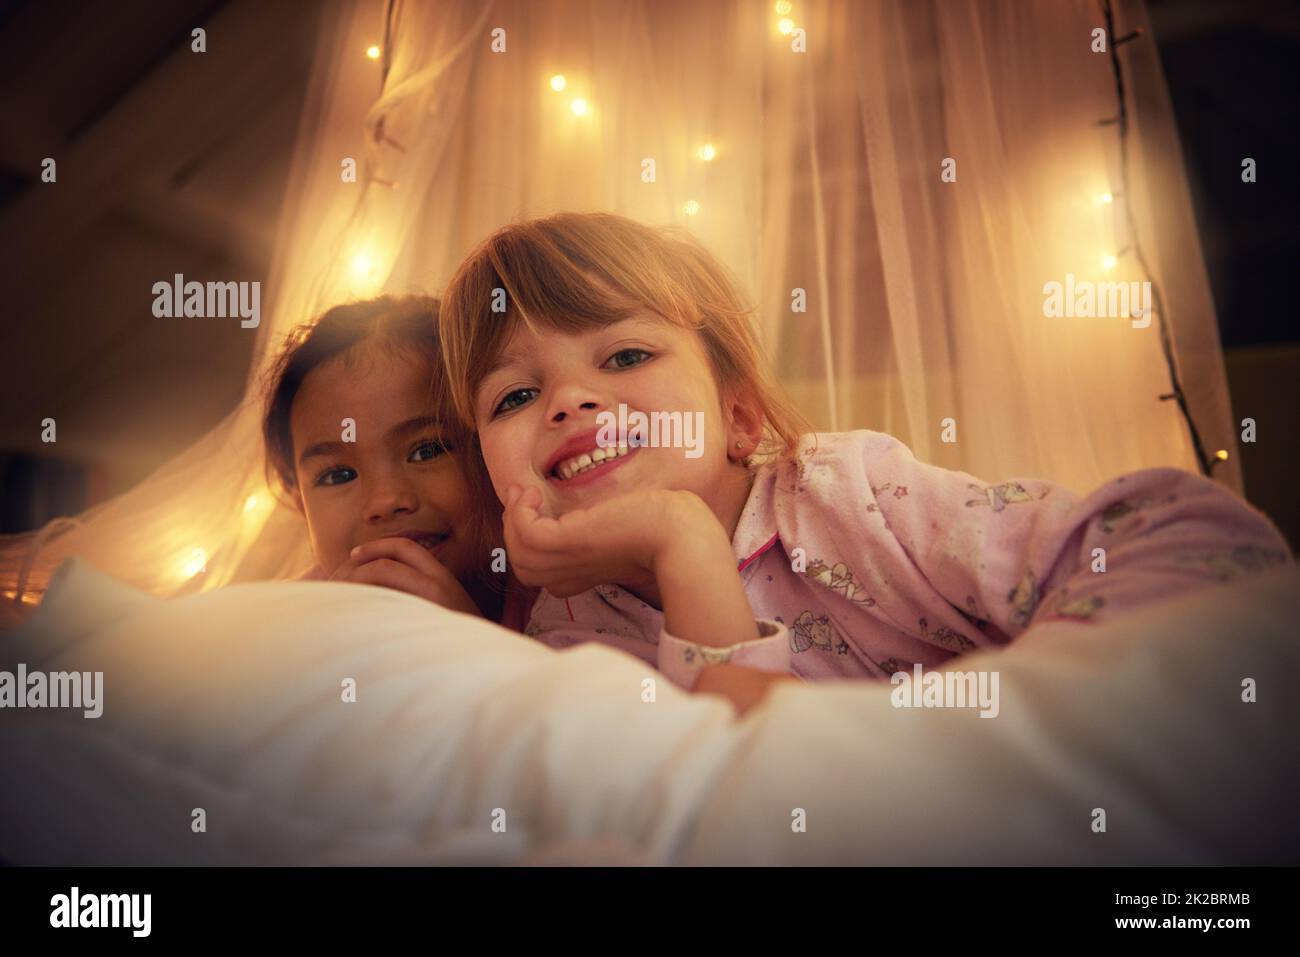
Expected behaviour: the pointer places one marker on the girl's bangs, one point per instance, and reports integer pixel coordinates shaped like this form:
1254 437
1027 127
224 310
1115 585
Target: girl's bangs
547 289
552 288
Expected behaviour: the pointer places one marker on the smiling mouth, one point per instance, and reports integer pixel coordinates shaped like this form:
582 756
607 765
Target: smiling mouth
588 461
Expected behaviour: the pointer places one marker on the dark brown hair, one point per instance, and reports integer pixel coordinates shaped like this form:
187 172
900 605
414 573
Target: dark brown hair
398 323
408 322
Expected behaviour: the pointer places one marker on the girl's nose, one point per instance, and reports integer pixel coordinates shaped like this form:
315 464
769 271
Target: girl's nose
389 498
572 398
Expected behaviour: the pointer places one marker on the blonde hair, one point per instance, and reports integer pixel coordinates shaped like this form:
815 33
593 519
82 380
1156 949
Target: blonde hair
573 272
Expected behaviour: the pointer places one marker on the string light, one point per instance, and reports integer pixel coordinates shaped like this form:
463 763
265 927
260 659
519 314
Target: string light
195 563
783 7
1104 198
707 152
250 504
558 82
1111 260
1221 455
1205 461
786 26
579 107
373 52
362 264
691 207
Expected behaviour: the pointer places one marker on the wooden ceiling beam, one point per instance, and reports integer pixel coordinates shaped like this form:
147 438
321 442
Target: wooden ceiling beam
155 126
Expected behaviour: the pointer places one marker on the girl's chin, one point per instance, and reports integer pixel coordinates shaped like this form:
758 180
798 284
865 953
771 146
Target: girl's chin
562 500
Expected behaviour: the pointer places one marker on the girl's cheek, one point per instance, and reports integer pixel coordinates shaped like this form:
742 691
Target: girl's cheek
320 546
329 528
496 466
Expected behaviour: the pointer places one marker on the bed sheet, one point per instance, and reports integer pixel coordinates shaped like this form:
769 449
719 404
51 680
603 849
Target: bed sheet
469 744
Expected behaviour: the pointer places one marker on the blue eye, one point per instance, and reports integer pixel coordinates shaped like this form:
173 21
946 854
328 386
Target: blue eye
427 451
617 358
508 404
339 475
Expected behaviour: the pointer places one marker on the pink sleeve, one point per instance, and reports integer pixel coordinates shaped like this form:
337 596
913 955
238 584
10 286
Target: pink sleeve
1030 550
681 661
638 630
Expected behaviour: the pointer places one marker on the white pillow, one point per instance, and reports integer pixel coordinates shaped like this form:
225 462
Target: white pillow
232 701
1143 718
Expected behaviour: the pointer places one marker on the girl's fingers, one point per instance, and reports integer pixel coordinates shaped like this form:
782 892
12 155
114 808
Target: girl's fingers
344 572
570 554
403 550
391 574
397 575
530 528
528 498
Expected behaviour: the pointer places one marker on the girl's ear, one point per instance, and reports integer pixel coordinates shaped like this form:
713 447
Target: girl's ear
744 415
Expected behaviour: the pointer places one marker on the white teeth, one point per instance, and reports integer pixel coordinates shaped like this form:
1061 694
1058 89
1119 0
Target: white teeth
580 463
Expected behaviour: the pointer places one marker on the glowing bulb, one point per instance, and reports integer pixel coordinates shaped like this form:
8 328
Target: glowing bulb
786 26
1108 262
1104 198
707 152
783 7
250 504
362 264
691 207
197 562
1221 455
558 82
579 107
373 53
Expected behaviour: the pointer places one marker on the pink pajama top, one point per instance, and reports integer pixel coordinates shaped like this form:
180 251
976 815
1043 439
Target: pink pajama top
860 561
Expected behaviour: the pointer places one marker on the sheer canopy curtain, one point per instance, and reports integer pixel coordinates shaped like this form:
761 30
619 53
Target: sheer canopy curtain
815 176
923 298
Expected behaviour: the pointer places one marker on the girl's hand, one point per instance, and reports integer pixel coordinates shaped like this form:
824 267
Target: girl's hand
744 687
402 565
623 540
